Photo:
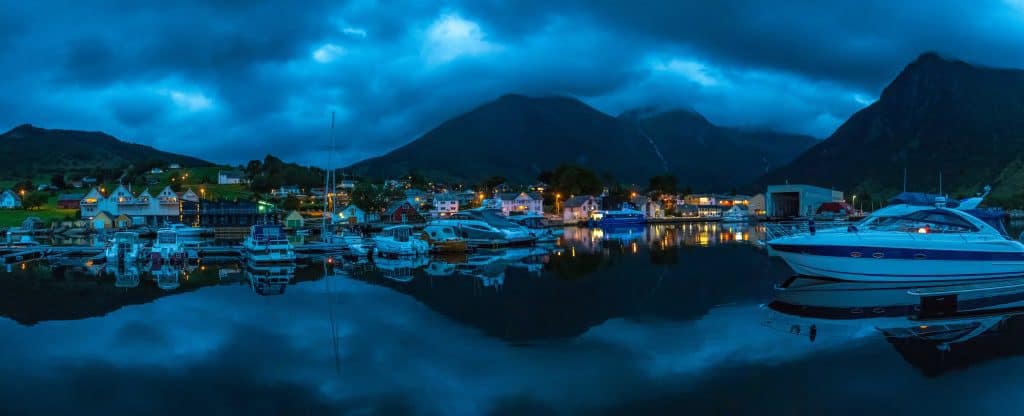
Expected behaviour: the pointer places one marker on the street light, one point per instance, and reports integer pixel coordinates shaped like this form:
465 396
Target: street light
854 201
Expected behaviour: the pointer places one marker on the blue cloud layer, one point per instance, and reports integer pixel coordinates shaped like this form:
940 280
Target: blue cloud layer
230 81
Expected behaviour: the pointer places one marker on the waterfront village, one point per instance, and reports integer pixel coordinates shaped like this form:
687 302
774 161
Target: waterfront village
218 199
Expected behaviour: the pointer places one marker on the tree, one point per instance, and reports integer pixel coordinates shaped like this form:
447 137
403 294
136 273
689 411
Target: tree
493 181
252 169
35 200
662 184
575 180
58 181
545 176
371 198
290 203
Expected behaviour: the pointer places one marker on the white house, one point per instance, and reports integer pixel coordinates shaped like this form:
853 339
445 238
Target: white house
285 191
9 199
230 177
352 215
521 203
174 166
189 195
349 184
156 171
142 209
445 205
578 208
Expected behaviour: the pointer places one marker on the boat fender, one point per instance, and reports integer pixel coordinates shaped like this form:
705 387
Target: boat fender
811 227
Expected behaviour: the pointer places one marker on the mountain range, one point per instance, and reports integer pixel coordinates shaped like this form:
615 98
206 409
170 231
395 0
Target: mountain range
517 137
939 116
27 151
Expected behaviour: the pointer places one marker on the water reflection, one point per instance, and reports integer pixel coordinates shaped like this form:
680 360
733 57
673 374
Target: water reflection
934 328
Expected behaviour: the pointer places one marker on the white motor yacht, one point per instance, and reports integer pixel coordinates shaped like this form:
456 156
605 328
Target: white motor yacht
268 244
167 245
910 242
398 241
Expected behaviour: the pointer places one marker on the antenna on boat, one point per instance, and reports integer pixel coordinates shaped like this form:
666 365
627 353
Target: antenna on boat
940 182
327 186
904 179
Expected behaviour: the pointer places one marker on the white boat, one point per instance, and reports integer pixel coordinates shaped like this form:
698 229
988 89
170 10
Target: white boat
125 248
397 240
538 226
167 277
183 230
167 245
268 244
489 225
269 280
354 243
909 242
736 214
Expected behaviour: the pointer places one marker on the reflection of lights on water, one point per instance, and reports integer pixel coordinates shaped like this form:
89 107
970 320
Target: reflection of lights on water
22 266
574 251
633 246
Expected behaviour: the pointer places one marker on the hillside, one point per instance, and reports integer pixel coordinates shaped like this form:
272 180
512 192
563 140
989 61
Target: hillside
28 151
716 158
517 137
938 115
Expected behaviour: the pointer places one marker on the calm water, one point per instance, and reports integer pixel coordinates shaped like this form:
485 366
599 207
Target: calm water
659 320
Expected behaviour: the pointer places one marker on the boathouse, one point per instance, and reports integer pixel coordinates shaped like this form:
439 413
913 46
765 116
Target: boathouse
791 201
402 212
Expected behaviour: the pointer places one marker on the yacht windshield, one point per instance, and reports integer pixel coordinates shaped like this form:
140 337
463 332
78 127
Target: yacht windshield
926 221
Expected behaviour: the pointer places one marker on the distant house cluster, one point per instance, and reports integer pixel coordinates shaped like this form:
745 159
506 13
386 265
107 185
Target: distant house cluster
144 208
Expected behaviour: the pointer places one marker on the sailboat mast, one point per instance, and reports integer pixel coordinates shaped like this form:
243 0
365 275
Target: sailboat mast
327 185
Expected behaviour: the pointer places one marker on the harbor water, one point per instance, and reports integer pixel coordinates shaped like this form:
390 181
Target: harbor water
666 319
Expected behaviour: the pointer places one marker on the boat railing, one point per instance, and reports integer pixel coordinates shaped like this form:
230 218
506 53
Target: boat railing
775 230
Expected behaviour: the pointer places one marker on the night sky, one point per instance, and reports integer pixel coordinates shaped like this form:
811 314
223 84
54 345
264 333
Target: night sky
230 80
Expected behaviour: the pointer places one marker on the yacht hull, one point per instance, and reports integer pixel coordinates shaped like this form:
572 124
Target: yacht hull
872 269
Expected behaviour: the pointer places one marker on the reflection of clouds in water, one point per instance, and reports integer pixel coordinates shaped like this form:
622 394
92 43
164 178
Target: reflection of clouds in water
726 336
392 350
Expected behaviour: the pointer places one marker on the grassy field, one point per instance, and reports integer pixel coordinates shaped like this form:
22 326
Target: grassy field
14 217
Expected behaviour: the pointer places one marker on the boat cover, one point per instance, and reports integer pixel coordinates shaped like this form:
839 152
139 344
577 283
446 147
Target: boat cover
921 199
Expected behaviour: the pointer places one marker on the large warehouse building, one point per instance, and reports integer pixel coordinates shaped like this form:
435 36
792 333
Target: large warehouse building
791 201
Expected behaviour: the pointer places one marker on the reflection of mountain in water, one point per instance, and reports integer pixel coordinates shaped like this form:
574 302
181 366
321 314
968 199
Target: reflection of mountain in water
569 294
977 322
40 293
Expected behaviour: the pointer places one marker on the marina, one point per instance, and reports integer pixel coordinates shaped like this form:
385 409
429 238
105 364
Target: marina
514 310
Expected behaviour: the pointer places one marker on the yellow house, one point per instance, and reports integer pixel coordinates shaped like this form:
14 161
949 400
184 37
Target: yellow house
103 221
294 220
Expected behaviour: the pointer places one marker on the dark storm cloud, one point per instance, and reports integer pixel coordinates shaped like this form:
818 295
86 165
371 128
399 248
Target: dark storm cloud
233 80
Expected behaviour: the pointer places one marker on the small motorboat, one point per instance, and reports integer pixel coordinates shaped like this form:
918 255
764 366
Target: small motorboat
538 226
187 231
397 240
910 241
736 214
443 239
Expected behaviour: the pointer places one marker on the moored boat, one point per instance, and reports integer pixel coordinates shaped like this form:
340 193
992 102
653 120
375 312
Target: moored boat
910 242
268 244
443 239
616 217
398 240
125 247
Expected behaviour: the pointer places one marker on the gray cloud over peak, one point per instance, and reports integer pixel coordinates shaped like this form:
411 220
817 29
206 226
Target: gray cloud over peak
229 81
